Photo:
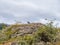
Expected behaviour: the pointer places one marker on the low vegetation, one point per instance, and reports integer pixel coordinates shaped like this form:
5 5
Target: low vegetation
40 35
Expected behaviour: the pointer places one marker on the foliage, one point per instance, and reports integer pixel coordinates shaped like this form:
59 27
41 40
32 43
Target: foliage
46 33
3 26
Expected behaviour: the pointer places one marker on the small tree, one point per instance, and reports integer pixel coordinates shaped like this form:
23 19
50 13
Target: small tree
46 33
28 22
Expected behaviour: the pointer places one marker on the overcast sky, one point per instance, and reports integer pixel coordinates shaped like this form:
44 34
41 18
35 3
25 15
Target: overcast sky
29 10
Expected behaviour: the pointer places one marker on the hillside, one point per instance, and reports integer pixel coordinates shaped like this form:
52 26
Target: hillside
28 34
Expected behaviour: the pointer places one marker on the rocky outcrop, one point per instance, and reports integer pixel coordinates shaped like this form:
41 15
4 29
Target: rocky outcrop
25 29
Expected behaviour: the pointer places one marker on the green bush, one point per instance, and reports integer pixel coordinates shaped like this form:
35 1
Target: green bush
46 33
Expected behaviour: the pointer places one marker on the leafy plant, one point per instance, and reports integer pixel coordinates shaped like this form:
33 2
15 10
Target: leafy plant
46 33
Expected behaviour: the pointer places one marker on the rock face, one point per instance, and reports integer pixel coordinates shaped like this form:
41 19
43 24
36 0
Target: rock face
25 29
22 29
14 43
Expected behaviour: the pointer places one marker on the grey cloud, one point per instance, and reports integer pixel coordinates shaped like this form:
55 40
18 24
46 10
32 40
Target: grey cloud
31 10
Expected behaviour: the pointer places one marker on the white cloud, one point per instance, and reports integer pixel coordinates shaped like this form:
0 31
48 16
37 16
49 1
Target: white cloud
25 9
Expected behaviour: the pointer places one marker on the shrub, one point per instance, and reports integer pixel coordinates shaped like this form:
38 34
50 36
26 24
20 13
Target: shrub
46 33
